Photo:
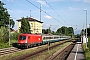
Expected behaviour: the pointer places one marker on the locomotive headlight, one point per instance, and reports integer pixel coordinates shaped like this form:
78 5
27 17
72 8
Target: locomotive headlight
38 38
26 41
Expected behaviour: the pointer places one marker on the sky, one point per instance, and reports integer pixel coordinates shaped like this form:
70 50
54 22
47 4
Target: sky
54 14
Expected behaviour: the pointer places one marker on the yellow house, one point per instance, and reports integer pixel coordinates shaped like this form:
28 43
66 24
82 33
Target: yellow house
35 25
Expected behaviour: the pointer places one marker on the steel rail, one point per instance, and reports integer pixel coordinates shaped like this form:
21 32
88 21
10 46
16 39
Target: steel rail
33 54
8 50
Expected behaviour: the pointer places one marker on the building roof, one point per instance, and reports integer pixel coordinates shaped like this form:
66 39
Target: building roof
31 19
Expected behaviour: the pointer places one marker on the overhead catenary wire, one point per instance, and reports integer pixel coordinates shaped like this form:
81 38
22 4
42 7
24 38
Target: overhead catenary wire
43 11
57 13
15 11
54 10
51 7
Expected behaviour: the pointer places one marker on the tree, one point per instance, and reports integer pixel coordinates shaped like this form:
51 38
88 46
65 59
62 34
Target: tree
82 32
43 31
88 31
62 30
53 32
65 31
3 35
5 17
70 31
49 30
59 31
77 36
46 31
25 26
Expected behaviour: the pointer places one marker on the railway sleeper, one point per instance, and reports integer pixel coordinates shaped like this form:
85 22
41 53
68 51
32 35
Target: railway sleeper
62 54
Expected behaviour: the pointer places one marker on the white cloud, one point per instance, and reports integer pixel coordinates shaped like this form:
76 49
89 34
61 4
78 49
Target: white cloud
47 25
87 1
88 25
78 0
55 0
70 8
48 17
41 2
9 0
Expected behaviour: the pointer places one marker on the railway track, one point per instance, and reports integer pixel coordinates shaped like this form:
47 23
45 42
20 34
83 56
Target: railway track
61 54
8 50
25 56
33 54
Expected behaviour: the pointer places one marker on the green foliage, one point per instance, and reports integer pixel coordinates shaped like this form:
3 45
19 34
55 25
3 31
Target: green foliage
88 31
4 45
43 31
4 37
84 31
60 31
14 36
70 31
46 31
65 31
87 50
53 32
77 36
25 26
88 43
5 17
4 34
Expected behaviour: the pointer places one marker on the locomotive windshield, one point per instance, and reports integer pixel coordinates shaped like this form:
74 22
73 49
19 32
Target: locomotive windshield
22 37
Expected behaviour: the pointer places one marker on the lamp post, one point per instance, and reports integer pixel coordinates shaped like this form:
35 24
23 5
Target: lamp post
86 27
9 32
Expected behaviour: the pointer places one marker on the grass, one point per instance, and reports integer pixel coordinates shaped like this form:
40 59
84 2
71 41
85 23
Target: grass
87 50
44 55
6 45
12 55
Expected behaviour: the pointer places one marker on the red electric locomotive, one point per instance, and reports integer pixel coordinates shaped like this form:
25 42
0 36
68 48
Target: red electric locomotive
28 40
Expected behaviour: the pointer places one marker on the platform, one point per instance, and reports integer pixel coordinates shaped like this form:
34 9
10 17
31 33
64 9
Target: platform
76 53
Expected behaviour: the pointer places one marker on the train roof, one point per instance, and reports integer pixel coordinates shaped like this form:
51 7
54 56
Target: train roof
29 34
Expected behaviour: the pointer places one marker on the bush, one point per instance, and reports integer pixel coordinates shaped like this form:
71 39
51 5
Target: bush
14 36
87 50
88 43
4 45
4 34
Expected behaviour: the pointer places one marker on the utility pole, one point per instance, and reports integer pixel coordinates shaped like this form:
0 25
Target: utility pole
9 32
86 27
40 12
30 13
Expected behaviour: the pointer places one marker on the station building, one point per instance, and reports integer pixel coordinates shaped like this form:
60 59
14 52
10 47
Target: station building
35 25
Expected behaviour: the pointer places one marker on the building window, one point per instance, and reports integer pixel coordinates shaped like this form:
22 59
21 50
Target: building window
31 25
